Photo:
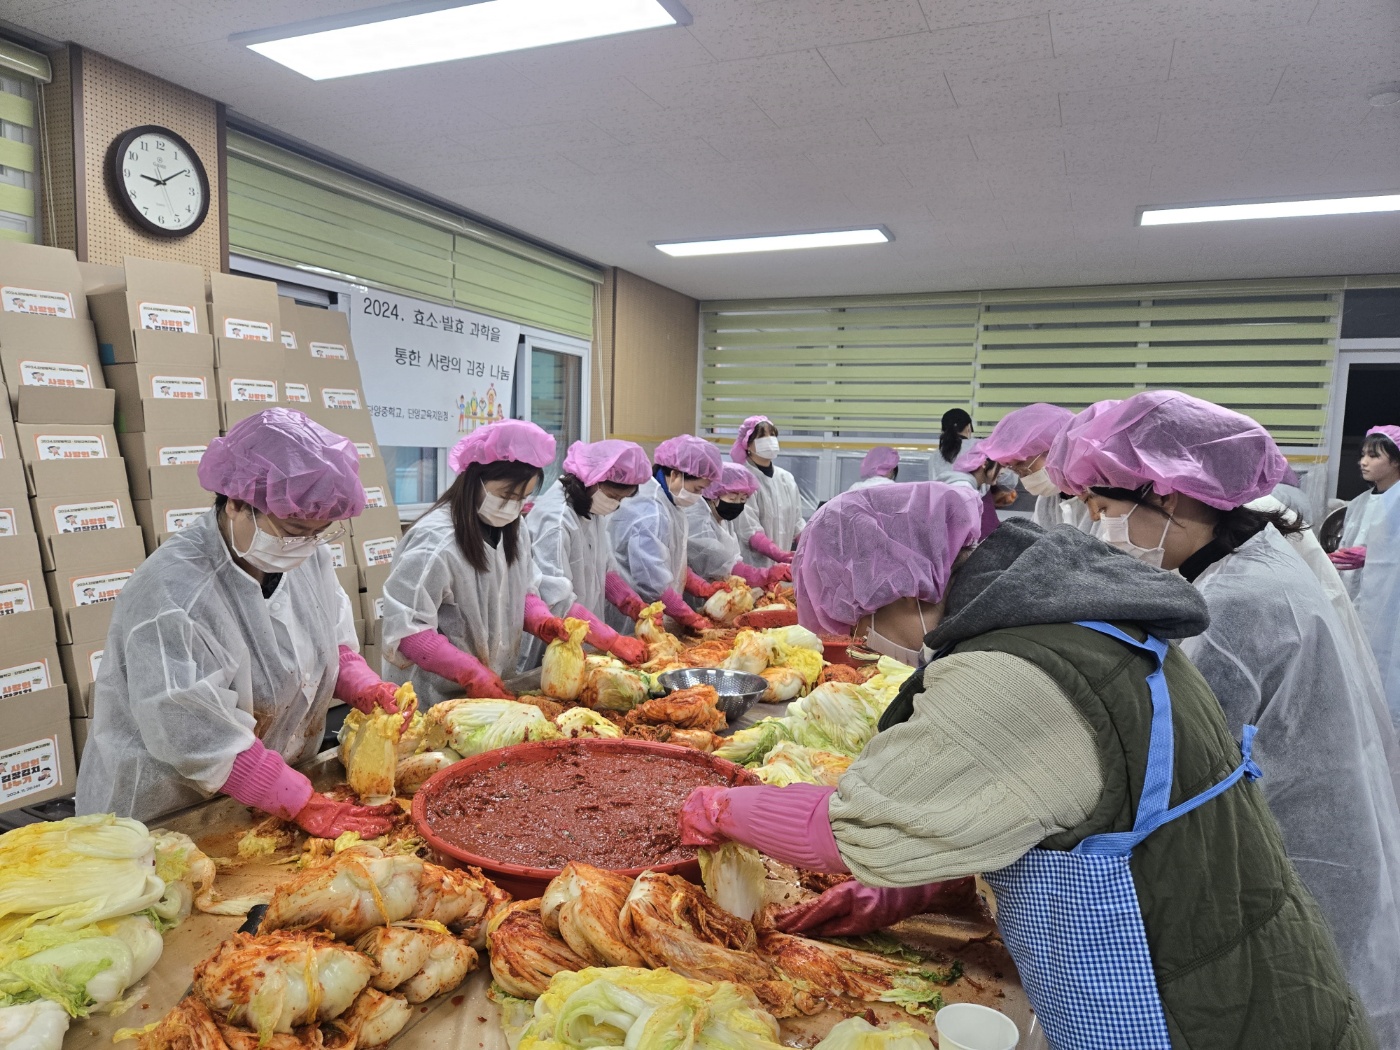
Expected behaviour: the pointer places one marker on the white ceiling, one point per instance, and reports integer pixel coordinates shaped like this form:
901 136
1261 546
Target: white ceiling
1006 143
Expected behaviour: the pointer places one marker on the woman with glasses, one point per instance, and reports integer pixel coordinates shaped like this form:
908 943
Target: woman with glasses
229 642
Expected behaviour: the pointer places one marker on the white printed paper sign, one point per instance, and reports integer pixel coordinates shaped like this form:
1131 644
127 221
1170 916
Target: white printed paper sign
87 517
378 607
252 390
337 555
235 328
24 678
436 372
179 388
70 446
379 552
95 662
94 590
16 597
175 520
28 769
37 301
55 373
330 351
375 498
181 455
289 339
163 317
7 522
297 393
365 449
340 398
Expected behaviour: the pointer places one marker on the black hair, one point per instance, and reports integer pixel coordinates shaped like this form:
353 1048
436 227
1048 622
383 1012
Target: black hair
1380 445
950 440
762 431
894 474
576 492
463 500
1232 528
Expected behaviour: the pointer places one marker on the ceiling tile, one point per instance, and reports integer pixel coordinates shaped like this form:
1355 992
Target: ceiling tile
1129 24
1035 111
730 81
1097 71
684 152
808 138
895 58
949 14
747 29
1130 101
917 92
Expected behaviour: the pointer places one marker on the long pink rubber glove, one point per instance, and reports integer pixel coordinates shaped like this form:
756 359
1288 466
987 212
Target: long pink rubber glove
990 521
683 614
360 687
622 597
262 779
601 636
750 574
698 587
760 542
850 908
431 651
789 824
1348 558
542 623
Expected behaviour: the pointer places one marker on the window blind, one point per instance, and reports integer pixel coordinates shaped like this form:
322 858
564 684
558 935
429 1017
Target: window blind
18 158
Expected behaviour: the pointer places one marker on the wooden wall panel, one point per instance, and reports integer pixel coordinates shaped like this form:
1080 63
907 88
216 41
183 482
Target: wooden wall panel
654 359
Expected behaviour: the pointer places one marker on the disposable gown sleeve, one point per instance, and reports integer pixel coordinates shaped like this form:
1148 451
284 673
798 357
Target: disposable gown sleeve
648 553
1379 598
182 687
418 586
345 632
550 548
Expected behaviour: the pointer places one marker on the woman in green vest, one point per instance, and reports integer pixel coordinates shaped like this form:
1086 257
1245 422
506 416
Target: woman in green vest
1058 744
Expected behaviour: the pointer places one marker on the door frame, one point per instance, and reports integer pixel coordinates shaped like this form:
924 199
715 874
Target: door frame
535 339
1350 352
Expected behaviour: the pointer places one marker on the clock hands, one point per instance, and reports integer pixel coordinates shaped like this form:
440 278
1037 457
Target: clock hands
163 181
148 178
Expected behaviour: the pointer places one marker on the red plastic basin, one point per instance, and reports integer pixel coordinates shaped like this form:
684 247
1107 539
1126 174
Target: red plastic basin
526 882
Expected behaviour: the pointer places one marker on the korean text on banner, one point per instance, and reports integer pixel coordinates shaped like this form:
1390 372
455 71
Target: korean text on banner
431 373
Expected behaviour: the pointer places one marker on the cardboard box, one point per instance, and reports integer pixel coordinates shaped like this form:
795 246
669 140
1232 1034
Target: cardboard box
63 521
15 518
91 569
62 459
25 634
43 352
372 599
243 311
375 535
164 463
373 473
22 589
50 405
325 334
162 518
359 428
82 728
336 387
290 315
157 298
254 378
36 749
100 277
360 634
7 427
80 666
41 281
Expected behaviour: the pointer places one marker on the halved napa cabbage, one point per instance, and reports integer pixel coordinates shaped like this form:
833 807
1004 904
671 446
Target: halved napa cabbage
790 763
563 673
856 1033
470 726
580 721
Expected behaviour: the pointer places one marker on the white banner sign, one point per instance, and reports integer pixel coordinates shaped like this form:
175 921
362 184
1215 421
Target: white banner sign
431 373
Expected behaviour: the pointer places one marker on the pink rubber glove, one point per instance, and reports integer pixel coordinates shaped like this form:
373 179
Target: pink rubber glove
698 587
325 818
629 650
542 623
360 687
779 574
850 908
1348 558
436 655
262 779
750 574
789 824
676 608
760 542
622 597
990 521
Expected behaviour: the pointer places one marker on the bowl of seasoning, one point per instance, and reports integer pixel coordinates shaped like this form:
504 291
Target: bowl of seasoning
738 690
521 813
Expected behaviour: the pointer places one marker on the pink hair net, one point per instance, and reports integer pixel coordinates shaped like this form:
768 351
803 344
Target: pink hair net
739 451
1173 441
880 460
1387 432
868 548
734 481
619 462
506 439
1025 433
690 455
287 465
972 459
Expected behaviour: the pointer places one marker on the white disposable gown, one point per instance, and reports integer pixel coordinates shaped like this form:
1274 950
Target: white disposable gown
1366 512
432 587
1379 598
649 542
774 510
198 663
712 546
1277 657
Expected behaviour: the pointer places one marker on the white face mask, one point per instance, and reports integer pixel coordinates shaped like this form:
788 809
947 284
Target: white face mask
497 511
268 553
602 503
884 646
1038 483
684 497
766 447
1114 532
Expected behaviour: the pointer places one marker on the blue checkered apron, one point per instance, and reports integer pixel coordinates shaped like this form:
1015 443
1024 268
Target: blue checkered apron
1071 919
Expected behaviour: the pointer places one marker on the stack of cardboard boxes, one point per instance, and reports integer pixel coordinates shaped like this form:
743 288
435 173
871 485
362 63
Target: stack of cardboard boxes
249 361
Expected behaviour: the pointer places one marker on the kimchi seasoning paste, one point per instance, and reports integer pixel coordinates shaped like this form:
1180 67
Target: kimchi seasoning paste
607 810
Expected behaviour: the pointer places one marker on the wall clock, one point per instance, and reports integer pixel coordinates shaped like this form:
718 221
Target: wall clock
159 181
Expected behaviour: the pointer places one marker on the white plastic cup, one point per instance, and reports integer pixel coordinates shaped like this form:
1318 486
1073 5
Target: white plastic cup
967 1026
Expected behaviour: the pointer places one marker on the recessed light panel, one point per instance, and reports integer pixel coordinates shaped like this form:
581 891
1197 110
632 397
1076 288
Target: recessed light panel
780 242
1270 210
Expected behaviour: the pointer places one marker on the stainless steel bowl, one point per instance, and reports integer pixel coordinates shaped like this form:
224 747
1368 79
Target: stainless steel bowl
738 690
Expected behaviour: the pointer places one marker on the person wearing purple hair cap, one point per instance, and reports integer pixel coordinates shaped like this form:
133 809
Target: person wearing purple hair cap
1380 469
1166 477
570 544
229 642
464 582
879 467
1020 443
650 532
772 521
712 546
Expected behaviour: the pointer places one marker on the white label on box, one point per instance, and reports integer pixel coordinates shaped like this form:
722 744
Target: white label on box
36 301
365 449
180 455
337 555
95 662
175 520
330 351
374 497
94 590
378 607
24 678
179 388
162 317
2 447
289 339
70 446
297 393
87 517
28 769
379 552
16 597
234 328
54 373
7 522
340 398
252 390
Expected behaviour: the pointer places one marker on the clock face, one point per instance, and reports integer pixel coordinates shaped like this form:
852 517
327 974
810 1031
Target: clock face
160 181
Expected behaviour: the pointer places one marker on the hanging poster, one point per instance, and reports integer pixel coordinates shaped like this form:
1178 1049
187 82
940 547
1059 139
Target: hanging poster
431 373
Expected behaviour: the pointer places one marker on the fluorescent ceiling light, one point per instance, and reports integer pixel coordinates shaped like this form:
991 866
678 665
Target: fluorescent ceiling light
404 35
779 242
1270 210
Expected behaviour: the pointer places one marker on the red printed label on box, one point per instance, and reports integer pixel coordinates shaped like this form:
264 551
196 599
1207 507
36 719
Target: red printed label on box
175 520
340 398
180 455
337 554
162 317
95 662
7 522
297 393
70 446
374 497
37 301
29 769
365 449
179 388
252 390
16 597
94 590
24 678
289 339
330 351
87 517
379 552
234 328
54 373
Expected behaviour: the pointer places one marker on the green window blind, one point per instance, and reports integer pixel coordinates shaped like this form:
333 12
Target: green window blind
18 163
288 209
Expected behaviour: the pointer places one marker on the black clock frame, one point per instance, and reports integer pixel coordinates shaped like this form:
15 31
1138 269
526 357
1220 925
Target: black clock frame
116 153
